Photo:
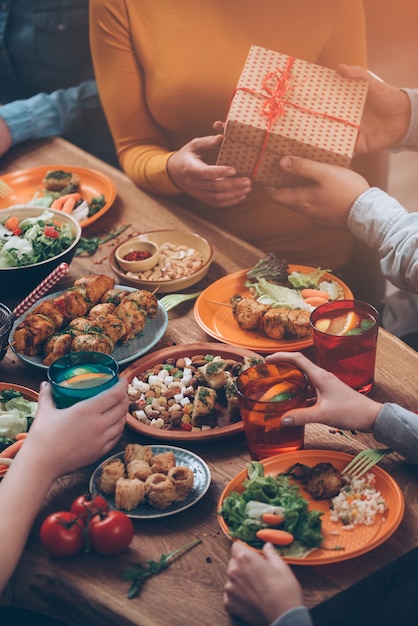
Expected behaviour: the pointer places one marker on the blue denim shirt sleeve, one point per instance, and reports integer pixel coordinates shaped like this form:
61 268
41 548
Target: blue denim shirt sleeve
45 115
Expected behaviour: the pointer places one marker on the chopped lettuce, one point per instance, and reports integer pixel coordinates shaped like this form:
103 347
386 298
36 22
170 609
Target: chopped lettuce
276 491
277 295
15 415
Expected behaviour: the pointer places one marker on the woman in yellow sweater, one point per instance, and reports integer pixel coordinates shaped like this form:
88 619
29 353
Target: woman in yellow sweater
166 71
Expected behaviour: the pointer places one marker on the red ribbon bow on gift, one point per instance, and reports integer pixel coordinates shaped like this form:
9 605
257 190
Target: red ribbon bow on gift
276 86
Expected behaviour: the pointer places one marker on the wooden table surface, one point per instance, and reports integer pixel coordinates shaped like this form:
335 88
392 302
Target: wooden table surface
89 589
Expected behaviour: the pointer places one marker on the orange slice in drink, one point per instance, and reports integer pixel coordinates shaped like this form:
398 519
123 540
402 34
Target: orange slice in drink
342 324
323 324
276 391
85 380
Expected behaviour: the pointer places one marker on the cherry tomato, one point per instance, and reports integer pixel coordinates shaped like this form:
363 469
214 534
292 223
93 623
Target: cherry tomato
111 532
62 534
87 504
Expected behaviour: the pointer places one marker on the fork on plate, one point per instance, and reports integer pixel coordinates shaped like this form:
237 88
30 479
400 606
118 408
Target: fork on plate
5 189
364 460
173 299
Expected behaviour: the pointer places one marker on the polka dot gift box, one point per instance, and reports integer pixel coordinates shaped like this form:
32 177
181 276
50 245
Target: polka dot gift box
284 105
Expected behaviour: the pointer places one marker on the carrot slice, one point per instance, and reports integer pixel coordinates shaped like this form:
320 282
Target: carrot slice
59 203
316 300
12 223
314 293
10 451
275 536
272 519
21 436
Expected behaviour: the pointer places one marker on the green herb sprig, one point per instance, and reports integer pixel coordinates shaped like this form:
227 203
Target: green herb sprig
89 245
138 572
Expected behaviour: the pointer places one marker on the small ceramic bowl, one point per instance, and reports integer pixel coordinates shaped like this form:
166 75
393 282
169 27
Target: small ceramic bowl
137 246
189 240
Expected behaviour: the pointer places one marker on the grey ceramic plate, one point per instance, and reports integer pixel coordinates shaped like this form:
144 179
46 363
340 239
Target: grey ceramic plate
183 457
123 353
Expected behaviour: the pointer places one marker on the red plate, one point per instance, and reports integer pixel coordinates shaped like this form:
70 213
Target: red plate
356 542
176 352
218 322
27 182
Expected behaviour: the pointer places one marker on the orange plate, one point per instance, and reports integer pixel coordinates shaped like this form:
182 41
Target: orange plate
27 393
218 321
176 352
358 541
27 182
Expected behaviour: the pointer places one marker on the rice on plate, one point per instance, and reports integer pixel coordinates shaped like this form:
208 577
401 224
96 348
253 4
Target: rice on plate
357 503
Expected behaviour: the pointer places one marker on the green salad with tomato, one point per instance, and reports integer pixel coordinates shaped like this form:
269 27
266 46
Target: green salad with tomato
33 239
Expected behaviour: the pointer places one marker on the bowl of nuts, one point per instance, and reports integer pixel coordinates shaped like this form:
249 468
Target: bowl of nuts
184 259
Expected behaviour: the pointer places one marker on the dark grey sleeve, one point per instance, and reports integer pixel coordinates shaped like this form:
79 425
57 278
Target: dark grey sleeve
299 616
397 428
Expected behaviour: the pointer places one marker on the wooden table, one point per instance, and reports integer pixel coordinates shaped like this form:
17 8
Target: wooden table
89 589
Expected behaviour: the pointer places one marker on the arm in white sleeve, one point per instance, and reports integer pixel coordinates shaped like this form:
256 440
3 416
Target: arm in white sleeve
383 224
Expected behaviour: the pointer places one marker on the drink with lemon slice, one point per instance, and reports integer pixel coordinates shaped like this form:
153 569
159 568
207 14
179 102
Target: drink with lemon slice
265 392
345 339
81 375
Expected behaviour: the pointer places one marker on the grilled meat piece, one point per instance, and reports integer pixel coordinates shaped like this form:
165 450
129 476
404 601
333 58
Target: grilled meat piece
95 285
324 481
248 313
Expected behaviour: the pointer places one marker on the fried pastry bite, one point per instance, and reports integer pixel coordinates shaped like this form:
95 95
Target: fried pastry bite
95 285
56 346
92 342
135 451
162 463
138 468
204 405
160 491
182 478
129 492
57 180
111 472
214 373
145 300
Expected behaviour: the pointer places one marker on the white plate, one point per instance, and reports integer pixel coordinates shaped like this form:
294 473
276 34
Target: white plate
123 353
183 457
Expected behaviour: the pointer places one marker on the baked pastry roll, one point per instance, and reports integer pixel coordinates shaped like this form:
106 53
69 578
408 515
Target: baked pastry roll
182 478
160 491
162 463
129 493
138 452
139 469
203 411
111 473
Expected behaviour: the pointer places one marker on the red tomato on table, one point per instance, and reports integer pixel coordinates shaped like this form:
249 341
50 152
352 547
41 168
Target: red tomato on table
111 532
88 504
62 534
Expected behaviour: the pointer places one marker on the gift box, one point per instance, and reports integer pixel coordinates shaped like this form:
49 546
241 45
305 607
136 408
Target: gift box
285 105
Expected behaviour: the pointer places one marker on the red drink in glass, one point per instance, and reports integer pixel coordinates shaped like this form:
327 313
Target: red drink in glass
265 392
345 339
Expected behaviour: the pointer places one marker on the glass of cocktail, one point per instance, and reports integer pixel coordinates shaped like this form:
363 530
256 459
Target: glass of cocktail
80 375
265 392
345 339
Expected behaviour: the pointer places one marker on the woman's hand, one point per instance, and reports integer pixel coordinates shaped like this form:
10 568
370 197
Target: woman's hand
68 439
387 113
336 404
325 196
5 137
216 185
259 588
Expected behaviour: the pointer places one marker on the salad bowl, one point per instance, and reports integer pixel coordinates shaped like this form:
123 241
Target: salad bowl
33 241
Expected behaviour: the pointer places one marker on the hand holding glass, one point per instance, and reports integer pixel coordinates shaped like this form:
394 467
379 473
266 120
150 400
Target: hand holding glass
80 375
265 392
